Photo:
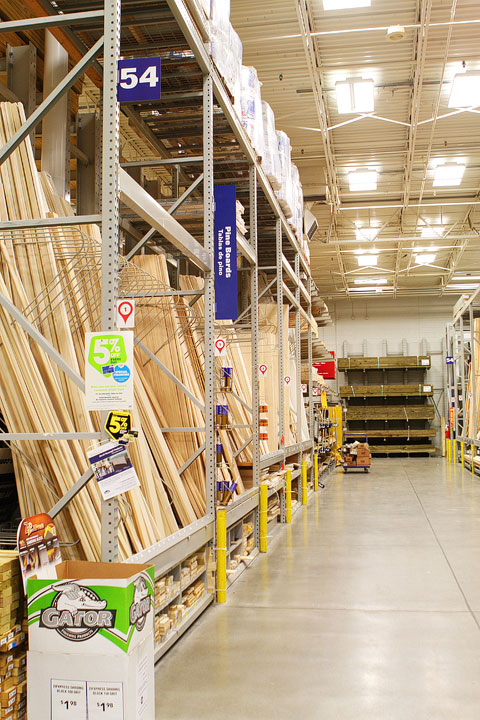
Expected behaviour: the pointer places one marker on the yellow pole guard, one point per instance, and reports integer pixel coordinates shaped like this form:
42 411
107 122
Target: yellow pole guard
263 517
221 555
288 497
454 451
315 472
472 450
304 482
462 450
448 451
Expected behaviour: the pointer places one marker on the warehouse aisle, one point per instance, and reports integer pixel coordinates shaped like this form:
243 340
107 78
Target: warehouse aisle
366 608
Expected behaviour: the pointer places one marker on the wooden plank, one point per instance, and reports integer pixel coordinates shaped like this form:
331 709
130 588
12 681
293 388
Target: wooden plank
391 412
376 363
420 389
405 432
401 449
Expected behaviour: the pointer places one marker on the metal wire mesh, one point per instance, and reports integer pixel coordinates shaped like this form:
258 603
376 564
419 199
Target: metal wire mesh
73 282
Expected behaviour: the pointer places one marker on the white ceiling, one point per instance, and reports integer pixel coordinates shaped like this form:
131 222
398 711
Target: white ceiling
300 52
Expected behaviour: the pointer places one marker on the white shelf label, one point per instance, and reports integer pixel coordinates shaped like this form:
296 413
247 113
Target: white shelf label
69 700
105 701
425 361
427 388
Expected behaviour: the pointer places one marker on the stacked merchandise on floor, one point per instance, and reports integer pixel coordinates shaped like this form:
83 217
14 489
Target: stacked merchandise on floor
356 454
13 679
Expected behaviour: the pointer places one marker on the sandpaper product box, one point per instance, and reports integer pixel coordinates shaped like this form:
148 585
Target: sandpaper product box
91 642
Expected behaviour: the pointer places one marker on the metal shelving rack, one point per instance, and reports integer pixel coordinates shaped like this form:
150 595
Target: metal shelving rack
461 349
272 246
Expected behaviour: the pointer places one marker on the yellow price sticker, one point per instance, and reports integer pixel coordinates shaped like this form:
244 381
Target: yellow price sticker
118 424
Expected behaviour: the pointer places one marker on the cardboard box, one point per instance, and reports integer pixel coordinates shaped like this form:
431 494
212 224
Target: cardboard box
91 641
104 608
125 682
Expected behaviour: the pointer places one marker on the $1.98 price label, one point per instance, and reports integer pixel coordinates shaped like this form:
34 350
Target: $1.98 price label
79 700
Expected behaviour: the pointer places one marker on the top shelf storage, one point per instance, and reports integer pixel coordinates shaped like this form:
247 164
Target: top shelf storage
385 363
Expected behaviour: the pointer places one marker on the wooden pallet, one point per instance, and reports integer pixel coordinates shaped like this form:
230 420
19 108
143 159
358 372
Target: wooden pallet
391 412
421 389
401 449
384 363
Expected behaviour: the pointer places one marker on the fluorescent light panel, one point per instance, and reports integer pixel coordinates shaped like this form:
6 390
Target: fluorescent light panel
448 175
367 260
370 281
366 233
465 91
428 231
345 4
425 258
362 180
462 286
355 96
465 278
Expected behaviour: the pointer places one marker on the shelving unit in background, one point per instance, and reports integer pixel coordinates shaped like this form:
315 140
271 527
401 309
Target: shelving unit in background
388 399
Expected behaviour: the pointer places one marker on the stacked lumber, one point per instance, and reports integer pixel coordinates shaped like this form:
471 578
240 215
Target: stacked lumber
385 390
389 362
390 412
402 449
12 639
407 432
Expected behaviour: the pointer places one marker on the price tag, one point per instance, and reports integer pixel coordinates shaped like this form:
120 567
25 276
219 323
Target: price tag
118 424
105 701
139 79
69 700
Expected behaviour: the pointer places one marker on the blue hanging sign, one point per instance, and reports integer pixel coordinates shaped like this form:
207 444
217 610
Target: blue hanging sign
139 79
449 360
226 298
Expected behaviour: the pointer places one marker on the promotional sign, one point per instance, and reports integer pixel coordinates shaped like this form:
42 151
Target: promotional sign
449 360
452 417
38 547
125 317
327 369
109 370
139 79
113 469
226 294
220 347
118 424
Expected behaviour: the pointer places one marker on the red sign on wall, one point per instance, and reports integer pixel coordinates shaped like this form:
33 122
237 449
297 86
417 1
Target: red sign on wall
327 369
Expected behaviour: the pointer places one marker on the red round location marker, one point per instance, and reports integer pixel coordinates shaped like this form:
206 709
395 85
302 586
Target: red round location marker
287 379
220 344
263 369
125 309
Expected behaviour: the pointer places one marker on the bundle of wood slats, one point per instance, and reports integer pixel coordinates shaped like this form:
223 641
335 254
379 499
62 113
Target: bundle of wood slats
385 390
392 361
390 412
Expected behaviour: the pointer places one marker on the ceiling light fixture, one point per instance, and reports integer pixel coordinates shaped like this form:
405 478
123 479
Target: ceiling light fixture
362 180
366 233
464 278
345 4
465 91
355 95
367 260
464 286
429 231
425 258
448 175
370 281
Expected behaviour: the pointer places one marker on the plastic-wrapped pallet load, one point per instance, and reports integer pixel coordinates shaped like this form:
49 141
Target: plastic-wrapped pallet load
220 34
235 54
271 160
252 119
285 157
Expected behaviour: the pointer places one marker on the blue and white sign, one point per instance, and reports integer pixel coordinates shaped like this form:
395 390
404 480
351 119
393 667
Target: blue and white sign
139 79
226 298
449 360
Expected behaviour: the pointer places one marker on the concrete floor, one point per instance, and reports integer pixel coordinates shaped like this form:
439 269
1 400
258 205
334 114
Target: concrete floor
366 608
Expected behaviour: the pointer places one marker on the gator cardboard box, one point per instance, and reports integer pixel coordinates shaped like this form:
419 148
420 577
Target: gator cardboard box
91 641
104 608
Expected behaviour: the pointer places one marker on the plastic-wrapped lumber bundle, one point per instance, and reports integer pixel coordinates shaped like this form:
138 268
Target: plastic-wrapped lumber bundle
220 34
285 157
251 102
271 160
235 54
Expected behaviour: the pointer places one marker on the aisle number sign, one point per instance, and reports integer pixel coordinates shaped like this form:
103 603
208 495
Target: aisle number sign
139 79
109 370
125 317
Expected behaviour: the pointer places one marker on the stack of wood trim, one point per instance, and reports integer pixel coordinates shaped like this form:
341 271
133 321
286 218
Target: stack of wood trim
386 390
389 362
403 433
390 412
469 413
402 449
